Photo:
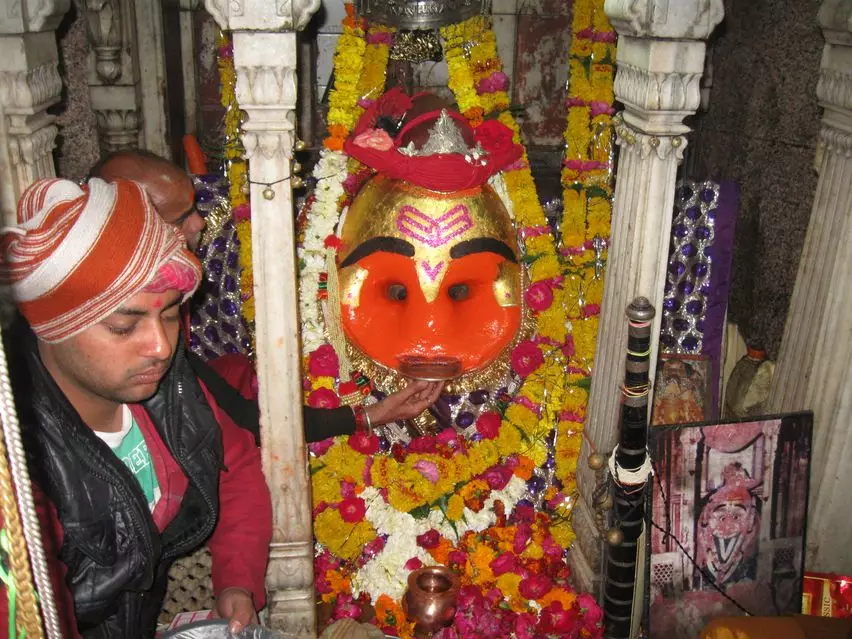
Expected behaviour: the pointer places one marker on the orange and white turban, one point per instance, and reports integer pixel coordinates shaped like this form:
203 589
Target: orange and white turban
79 252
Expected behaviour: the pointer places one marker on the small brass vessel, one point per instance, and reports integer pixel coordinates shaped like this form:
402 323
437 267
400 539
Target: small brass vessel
431 599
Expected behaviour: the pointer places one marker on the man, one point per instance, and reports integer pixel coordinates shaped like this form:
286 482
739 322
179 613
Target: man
133 463
171 191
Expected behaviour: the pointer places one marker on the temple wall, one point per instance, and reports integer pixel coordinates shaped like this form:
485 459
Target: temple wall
761 130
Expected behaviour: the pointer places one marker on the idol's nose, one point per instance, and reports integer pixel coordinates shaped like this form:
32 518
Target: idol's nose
430 369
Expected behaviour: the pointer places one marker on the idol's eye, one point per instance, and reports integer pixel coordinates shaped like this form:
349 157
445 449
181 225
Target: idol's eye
458 292
397 292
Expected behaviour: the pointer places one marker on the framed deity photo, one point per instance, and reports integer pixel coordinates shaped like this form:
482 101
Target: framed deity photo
682 390
727 519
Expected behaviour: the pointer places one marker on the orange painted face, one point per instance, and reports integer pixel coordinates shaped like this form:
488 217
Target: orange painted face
430 285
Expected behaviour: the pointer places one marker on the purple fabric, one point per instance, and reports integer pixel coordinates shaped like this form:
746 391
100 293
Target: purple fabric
721 255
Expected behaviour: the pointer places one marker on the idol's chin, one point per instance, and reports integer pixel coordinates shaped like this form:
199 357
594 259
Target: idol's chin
430 369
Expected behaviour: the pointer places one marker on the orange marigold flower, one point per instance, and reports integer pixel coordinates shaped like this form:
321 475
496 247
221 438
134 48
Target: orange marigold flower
525 467
561 595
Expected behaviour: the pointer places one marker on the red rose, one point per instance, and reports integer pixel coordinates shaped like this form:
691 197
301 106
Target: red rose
539 296
497 477
394 103
507 562
323 362
323 398
352 510
526 358
493 136
488 424
429 539
364 443
413 564
592 613
535 586
555 620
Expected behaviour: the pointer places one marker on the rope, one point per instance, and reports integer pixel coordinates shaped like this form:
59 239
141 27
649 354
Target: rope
630 476
31 539
334 323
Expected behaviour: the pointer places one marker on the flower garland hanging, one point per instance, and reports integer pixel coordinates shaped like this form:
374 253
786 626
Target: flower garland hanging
587 194
479 85
381 511
237 173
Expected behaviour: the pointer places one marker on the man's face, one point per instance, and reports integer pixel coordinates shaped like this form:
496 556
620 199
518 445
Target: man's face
123 358
176 205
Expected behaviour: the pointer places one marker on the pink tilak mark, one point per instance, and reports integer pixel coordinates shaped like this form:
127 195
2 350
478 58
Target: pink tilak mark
432 271
415 224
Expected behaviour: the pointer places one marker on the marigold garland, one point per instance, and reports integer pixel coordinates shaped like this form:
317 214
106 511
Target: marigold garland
444 499
587 198
237 170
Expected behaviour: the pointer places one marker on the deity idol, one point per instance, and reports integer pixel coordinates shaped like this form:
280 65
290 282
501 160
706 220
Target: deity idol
429 271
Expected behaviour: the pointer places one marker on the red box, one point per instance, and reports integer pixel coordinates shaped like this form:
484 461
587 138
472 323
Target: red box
827 595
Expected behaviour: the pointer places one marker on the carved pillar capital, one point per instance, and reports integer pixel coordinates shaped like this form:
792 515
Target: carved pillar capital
30 16
665 19
118 129
103 22
269 15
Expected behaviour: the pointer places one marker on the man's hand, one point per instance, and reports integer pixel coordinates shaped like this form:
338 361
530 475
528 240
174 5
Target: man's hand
405 404
236 605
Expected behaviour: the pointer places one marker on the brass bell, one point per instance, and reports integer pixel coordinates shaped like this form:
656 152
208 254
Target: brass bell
605 503
614 537
268 193
596 461
300 145
297 168
296 182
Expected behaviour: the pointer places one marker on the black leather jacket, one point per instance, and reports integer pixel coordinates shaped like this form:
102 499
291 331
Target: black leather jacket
117 560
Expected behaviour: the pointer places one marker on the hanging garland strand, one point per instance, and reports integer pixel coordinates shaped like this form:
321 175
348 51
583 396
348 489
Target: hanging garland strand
237 171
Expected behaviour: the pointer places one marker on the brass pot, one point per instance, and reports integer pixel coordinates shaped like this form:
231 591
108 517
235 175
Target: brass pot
431 598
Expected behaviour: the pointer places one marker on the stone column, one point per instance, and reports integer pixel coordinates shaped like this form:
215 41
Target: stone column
813 364
188 62
265 61
660 61
29 84
127 83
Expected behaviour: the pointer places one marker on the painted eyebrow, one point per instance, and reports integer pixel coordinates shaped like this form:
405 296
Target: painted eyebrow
482 245
378 244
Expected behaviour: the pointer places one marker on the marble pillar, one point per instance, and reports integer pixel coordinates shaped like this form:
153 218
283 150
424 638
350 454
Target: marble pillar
661 48
265 62
29 84
813 364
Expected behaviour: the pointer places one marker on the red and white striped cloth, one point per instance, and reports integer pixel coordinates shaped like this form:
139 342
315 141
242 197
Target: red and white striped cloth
79 252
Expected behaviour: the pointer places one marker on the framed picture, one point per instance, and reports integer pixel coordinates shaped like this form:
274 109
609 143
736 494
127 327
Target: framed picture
682 390
727 518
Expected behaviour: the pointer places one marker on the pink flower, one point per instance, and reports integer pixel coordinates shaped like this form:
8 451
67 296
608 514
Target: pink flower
523 534
539 296
346 606
524 514
447 437
321 448
568 347
488 424
457 557
352 510
535 586
526 358
429 539
551 548
364 443
413 564
377 139
590 310
428 469
497 477
323 398
347 489
497 81
379 37
241 213
592 612
555 620
507 562
599 108
575 102
323 362
525 626
373 548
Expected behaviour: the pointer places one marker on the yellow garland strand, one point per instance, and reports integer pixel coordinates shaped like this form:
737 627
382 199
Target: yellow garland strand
237 170
587 198
471 53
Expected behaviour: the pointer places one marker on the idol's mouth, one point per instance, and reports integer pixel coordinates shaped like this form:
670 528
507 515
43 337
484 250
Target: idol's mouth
430 369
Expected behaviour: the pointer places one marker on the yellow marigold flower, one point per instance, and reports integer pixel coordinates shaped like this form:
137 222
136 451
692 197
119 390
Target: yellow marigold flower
545 268
522 417
558 594
323 381
509 439
562 533
508 584
342 539
325 487
533 551
455 508
478 568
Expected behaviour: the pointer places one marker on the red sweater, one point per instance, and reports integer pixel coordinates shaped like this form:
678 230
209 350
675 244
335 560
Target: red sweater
239 544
